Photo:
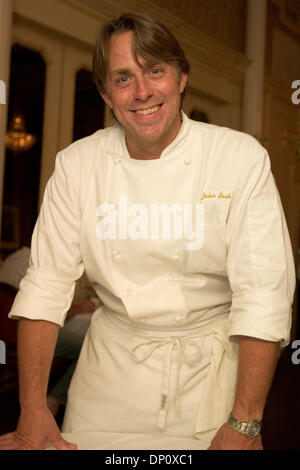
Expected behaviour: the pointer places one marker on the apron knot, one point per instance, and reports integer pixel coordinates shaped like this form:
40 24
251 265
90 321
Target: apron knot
184 349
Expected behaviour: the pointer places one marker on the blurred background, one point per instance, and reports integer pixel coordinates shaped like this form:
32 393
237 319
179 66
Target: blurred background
244 56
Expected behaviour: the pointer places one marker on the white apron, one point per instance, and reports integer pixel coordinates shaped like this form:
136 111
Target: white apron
129 379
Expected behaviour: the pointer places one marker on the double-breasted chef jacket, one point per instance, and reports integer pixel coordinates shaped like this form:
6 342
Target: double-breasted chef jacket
185 252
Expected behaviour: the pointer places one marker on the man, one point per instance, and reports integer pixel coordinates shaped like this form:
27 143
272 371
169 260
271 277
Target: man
194 311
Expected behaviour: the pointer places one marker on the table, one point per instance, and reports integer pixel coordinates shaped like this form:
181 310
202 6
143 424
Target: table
131 441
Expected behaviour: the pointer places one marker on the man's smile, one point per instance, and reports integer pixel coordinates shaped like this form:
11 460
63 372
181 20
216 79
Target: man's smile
147 111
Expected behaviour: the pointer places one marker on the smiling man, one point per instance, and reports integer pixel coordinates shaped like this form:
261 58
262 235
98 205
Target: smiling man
188 336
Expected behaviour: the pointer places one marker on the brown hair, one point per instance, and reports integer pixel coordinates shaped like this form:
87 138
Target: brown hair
151 40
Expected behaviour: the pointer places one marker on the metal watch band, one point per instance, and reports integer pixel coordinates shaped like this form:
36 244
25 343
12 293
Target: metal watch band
249 428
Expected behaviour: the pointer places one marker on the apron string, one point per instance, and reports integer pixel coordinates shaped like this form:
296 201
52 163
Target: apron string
173 343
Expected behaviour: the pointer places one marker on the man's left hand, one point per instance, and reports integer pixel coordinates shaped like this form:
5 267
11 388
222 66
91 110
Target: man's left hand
229 439
77 308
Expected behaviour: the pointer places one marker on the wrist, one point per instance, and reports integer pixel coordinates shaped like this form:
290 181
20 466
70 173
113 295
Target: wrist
32 405
246 412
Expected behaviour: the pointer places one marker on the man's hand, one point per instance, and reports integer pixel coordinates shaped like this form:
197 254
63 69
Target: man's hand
229 439
78 308
35 430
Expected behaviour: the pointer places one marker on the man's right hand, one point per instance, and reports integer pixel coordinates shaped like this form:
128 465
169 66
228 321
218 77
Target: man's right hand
36 430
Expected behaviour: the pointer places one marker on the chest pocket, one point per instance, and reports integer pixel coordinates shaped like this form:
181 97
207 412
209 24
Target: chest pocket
211 258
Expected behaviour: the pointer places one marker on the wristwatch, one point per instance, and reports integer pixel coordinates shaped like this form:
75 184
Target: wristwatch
249 428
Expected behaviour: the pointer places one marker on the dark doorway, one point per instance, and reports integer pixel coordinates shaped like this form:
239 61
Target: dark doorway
89 106
22 171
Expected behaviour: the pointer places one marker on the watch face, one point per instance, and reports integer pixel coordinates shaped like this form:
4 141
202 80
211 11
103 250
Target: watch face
253 429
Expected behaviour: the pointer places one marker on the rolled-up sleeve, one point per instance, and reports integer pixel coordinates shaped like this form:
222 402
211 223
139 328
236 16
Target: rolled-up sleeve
260 262
47 290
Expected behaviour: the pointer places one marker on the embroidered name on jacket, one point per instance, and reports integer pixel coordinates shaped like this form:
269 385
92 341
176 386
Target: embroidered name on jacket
158 221
213 195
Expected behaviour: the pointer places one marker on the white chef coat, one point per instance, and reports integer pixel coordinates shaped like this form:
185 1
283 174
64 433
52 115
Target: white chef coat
163 343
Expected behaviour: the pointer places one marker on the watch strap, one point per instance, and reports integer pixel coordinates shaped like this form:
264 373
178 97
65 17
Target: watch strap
249 428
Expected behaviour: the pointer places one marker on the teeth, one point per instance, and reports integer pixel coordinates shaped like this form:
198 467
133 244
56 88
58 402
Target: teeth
145 112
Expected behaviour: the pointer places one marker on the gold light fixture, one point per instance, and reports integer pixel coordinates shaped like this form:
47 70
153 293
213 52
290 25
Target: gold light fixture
17 140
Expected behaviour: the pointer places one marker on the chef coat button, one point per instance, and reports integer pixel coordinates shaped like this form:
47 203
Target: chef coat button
179 318
187 161
179 210
115 253
170 278
117 161
175 257
129 291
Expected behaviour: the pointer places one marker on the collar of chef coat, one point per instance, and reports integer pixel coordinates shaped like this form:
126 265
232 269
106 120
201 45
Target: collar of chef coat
177 143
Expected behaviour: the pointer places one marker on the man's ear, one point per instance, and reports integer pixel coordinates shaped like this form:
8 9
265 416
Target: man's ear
183 81
106 98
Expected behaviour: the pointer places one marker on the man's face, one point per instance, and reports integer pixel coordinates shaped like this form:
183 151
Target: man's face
145 100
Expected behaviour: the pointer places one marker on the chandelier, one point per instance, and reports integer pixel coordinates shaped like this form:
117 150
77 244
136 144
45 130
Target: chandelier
17 140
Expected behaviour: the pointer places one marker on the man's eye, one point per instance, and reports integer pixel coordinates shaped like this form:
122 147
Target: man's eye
122 80
155 71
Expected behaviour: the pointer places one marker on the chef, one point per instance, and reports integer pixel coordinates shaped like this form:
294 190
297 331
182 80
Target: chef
179 226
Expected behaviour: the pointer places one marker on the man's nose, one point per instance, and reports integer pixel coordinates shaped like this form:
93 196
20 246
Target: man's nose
143 89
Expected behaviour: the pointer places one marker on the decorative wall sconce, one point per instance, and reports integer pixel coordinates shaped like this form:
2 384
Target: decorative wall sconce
17 140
